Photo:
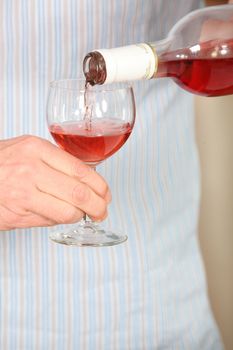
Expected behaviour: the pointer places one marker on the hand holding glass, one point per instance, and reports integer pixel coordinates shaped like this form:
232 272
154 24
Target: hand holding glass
92 126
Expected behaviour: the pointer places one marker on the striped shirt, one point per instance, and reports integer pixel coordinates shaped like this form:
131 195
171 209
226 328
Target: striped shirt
148 293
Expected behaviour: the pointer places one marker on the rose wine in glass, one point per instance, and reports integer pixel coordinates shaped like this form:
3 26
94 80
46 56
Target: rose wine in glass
91 145
91 123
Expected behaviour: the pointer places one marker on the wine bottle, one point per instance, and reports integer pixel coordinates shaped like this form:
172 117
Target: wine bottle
197 54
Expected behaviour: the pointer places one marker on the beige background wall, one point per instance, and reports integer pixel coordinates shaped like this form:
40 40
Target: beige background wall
214 125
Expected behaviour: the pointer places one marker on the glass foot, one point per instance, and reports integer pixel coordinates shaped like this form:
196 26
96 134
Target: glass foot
87 234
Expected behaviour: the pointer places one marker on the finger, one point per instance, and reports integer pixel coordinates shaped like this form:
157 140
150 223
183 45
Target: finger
34 220
14 220
14 140
72 166
54 209
72 191
98 184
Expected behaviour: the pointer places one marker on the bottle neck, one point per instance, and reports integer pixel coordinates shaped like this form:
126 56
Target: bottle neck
161 46
127 63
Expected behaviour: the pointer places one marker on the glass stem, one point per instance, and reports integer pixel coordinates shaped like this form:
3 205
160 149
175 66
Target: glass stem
86 218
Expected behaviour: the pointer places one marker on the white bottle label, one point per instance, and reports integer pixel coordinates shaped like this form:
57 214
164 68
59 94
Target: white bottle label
133 62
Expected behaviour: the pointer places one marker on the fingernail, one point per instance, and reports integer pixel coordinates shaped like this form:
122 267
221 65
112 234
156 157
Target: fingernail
102 219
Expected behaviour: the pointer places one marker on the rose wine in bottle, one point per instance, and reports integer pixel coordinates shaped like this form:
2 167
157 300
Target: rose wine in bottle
197 55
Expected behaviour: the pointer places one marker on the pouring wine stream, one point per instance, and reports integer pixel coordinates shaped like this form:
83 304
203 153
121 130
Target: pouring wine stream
88 103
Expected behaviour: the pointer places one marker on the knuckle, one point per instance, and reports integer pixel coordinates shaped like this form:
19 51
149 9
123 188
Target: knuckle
80 169
31 143
20 196
14 194
69 215
80 194
25 170
103 186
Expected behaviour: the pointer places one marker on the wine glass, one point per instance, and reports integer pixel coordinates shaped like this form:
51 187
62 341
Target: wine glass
92 124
